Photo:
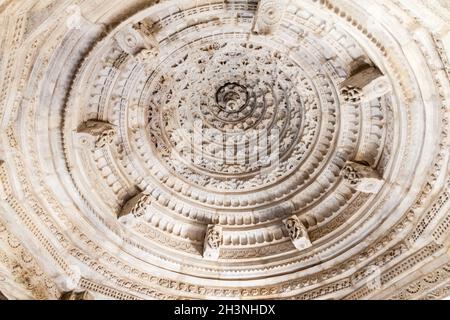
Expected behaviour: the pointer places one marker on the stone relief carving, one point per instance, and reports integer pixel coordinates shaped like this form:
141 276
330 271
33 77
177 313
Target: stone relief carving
138 41
269 15
130 40
103 133
302 104
69 283
297 233
365 83
361 177
149 54
212 243
144 28
20 274
283 103
77 295
134 208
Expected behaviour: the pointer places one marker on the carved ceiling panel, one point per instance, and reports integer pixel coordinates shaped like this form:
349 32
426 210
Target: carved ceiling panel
224 149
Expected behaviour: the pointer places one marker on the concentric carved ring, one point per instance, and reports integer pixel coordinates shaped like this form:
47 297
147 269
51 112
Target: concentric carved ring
244 149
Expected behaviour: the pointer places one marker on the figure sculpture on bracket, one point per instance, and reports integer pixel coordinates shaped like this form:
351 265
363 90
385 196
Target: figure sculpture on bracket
212 243
134 208
138 41
365 83
297 233
361 177
100 133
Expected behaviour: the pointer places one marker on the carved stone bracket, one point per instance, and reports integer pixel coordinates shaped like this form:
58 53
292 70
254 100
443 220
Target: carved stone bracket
269 15
297 232
144 27
81 295
134 208
147 56
70 282
137 40
361 177
102 133
365 83
213 241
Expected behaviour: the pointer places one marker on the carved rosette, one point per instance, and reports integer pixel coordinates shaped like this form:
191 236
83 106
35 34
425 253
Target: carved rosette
269 15
361 177
297 233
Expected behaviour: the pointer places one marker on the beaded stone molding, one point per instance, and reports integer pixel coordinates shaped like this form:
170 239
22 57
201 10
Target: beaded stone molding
211 149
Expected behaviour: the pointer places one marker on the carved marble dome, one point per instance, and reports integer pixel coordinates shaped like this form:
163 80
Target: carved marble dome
210 149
